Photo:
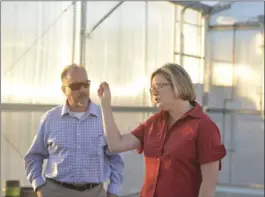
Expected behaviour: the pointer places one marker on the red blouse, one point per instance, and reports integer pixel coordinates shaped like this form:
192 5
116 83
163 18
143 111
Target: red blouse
173 156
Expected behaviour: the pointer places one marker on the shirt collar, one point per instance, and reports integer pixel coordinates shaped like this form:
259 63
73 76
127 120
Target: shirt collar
91 110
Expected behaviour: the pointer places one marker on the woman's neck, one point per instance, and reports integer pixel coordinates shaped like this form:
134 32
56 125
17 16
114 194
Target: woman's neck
179 108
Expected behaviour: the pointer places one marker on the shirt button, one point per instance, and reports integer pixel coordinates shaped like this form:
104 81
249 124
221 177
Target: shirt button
78 146
158 159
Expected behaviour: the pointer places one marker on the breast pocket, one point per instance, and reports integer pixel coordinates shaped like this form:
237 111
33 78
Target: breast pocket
61 136
153 144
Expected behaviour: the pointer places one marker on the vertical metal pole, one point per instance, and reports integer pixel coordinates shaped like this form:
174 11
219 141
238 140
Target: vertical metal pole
83 32
234 79
262 78
174 34
74 31
146 48
181 37
207 74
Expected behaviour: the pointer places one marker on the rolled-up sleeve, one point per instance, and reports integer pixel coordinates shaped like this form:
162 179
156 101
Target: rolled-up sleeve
35 156
139 134
209 145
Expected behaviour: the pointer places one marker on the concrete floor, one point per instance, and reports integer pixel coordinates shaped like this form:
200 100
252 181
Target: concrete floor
217 195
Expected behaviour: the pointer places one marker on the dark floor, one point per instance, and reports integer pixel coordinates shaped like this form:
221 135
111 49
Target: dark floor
217 195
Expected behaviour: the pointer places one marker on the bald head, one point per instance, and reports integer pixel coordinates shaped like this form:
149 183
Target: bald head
73 73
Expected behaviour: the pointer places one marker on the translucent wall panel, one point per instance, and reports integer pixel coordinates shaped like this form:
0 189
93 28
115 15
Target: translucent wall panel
248 158
194 67
192 17
36 44
249 68
192 40
128 46
116 50
247 73
19 128
221 45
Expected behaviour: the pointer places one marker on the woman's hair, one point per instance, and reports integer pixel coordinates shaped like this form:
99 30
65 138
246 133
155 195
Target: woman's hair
180 80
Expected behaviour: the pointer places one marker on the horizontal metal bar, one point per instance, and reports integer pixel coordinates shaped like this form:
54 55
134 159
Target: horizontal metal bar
17 107
238 111
243 26
190 24
221 61
189 55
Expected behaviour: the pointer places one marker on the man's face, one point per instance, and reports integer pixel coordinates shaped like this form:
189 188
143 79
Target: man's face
76 87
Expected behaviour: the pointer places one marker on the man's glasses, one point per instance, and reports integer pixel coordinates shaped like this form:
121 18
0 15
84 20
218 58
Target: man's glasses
77 86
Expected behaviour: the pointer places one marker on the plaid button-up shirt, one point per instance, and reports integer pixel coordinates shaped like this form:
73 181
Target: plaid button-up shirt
75 149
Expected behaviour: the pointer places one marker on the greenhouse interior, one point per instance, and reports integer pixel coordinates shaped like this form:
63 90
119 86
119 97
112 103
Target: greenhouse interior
220 44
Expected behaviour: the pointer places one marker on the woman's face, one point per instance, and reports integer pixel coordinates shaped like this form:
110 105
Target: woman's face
162 92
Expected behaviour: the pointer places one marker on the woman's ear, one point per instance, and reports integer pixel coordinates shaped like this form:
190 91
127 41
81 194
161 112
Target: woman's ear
63 89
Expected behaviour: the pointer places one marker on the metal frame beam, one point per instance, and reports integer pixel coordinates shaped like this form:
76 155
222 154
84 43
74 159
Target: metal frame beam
238 26
103 19
16 107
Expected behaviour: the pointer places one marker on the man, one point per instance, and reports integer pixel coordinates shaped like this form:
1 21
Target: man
71 138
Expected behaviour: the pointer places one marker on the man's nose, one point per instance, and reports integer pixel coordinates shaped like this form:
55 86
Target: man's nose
82 89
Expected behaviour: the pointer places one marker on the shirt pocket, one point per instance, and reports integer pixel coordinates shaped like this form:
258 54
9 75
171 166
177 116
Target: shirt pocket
61 136
152 143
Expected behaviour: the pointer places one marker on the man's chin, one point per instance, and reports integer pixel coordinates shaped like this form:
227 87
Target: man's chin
82 104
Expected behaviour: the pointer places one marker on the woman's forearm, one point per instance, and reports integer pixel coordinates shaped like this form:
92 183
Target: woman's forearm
111 130
207 189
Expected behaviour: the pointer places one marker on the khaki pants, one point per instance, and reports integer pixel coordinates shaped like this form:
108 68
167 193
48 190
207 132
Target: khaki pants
51 189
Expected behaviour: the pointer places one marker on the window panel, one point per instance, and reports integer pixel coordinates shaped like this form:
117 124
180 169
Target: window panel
194 67
192 40
192 17
222 74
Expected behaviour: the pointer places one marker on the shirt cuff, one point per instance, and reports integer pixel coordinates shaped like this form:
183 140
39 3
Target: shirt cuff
114 189
38 181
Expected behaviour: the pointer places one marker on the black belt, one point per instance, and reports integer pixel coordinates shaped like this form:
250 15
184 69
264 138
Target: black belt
79 187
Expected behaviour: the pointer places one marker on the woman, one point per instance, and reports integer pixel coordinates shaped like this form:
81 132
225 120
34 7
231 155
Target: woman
181 144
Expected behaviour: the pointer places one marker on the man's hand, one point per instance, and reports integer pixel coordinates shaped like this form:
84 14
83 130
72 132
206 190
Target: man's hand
39 191
104 93
39 194
111 195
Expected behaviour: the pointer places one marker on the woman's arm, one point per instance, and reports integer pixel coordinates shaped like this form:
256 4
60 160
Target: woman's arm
210 152
209 173
116 141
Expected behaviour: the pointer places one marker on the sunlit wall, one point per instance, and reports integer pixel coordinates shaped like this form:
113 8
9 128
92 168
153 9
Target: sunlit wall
236 94
36 44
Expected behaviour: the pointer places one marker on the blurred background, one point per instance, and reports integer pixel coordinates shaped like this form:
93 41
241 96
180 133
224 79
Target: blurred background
220 44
